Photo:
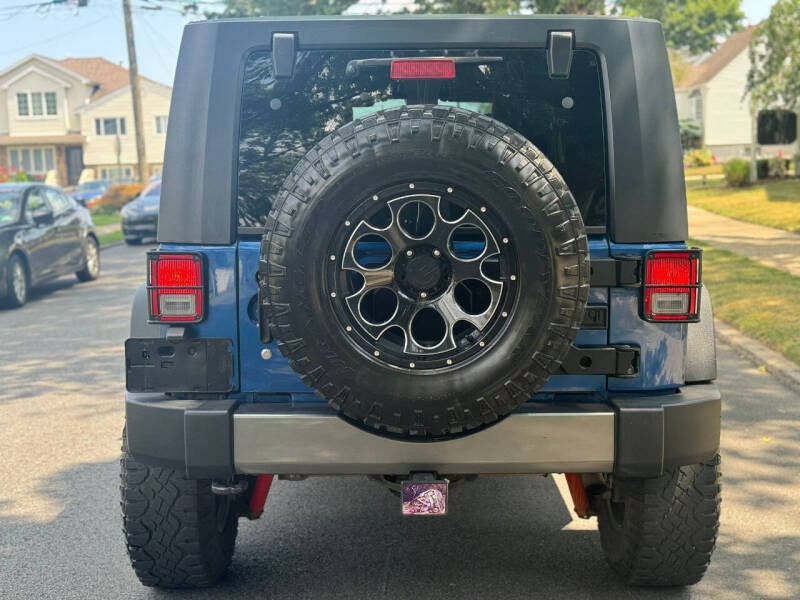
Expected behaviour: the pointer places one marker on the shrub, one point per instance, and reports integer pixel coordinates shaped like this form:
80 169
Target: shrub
737 172
762 168
700 157
115 197
778 167
691 134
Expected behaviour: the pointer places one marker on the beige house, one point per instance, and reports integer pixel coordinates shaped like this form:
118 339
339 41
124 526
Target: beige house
713 94
75 113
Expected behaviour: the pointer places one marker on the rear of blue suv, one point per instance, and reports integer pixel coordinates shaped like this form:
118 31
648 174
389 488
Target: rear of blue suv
422 250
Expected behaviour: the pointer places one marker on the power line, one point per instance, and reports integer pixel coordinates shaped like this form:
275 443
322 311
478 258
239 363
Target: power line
55 37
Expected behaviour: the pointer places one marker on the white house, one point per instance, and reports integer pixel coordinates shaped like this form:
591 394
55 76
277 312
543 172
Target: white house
75 113
713 93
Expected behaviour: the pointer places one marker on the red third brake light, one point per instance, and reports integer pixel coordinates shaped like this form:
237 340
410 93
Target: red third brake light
671 285
431 68
175 287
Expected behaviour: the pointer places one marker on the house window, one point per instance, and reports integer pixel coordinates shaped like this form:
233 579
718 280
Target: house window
37 104
116 174
36 161
696 105
50 103
22 105
110 126
161 124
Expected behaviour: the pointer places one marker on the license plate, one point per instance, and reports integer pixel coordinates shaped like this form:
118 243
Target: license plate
424 498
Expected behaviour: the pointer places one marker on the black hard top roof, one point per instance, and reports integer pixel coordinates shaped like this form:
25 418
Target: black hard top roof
647 201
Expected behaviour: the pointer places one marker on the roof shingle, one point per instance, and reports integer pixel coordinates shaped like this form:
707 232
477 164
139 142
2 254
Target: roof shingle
727 51
106 75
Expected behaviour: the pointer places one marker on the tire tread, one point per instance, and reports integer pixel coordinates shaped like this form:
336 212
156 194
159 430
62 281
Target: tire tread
669 529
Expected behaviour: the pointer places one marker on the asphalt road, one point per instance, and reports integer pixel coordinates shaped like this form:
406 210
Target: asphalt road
61 386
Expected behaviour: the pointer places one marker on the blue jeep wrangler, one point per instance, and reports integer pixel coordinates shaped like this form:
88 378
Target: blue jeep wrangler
422 250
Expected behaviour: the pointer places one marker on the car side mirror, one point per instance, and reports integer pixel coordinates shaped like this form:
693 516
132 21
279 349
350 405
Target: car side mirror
43 216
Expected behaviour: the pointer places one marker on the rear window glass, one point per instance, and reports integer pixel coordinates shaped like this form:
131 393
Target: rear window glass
282 119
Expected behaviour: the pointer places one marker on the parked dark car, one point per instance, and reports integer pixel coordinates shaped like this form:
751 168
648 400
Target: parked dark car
140 216
43 234
90 190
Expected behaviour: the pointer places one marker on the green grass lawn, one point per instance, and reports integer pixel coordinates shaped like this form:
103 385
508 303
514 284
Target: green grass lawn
110 238
707 170
772 203
759 301
105 219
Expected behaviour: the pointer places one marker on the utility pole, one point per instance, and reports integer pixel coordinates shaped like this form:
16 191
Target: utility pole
133 70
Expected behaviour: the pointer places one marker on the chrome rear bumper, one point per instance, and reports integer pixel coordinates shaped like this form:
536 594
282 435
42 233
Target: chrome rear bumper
631 435
576 438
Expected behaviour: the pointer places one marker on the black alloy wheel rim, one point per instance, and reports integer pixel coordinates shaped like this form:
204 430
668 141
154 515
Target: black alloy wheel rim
422 276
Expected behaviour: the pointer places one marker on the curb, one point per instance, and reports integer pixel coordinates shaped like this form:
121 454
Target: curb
784 370
112 245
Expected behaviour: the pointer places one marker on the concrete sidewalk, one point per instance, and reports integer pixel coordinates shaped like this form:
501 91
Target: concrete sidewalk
772 247
110 228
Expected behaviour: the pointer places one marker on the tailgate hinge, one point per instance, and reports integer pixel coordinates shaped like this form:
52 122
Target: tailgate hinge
615 361
615 272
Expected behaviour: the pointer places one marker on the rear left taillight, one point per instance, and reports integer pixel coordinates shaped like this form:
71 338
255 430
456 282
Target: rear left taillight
672 285
175 287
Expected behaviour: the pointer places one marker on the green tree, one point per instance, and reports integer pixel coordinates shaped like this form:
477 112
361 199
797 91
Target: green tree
274 8
693 24
691 134
508 7
774 77
282 8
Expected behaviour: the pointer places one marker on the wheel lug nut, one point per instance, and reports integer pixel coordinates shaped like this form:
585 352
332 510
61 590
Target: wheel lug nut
505 240
375 197
513 278
347 223
333 257
409 253
411 186
481 343
449 361
348 328
412 365
376 353
449 190
333 294
423 294
437 253
504 314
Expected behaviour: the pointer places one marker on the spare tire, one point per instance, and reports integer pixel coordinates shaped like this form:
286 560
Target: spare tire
425 270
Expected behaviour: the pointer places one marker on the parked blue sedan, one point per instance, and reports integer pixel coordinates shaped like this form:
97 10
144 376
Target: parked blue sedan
90 190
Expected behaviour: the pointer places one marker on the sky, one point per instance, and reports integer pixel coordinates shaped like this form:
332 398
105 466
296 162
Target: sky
98 30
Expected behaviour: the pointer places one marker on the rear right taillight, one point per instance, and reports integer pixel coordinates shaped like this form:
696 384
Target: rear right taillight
672 285
175 287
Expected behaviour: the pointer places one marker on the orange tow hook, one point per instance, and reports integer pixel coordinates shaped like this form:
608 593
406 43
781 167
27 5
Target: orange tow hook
578 493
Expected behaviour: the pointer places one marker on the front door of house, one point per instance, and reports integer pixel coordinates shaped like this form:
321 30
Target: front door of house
74 161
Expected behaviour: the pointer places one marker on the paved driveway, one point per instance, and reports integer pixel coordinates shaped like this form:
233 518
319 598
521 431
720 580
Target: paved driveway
61 384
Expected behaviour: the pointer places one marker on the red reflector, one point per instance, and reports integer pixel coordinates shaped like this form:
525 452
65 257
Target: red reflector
175 284
436 68
672 280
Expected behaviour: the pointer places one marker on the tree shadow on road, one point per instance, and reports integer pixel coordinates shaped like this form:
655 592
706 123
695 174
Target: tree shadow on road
345 538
